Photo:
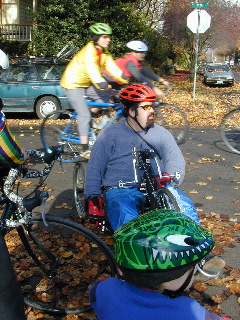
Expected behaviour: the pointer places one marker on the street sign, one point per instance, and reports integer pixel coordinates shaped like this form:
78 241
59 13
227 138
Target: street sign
198 21
199 5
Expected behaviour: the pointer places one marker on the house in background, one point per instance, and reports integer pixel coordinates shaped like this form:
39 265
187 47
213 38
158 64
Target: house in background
16 22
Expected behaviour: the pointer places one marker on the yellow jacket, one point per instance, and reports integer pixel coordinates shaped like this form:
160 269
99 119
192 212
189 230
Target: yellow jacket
84 70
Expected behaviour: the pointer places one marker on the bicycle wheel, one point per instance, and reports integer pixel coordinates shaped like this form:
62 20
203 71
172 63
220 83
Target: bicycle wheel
54 132
230 130
174 120
74 259
78 188
166 200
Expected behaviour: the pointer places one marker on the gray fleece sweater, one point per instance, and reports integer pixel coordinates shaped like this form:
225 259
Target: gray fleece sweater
111 157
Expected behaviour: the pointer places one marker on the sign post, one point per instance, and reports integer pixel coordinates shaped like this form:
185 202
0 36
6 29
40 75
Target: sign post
198 21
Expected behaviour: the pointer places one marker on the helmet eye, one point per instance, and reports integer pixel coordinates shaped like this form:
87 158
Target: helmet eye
182 240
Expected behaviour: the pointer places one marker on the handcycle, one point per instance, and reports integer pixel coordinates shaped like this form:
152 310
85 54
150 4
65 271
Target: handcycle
64 130
55 260
150 183
230 130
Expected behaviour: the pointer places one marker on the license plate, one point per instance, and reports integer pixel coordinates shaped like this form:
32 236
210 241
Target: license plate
219 82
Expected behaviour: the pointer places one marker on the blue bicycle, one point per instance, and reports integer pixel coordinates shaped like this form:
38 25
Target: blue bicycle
64 131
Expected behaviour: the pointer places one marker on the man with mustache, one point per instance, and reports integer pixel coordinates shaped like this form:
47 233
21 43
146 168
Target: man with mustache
111 158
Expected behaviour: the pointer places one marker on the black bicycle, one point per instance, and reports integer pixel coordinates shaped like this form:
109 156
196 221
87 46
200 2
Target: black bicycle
157 196
55 260
146 163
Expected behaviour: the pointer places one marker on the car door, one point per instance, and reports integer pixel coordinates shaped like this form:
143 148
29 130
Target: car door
19 87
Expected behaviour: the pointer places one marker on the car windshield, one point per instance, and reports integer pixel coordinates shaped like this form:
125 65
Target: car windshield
50 71
19 73
218 68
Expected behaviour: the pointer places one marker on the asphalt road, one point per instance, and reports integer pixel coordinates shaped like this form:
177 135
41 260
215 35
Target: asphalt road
212 181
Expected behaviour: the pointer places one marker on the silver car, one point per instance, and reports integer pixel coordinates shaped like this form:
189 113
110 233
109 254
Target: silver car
218 74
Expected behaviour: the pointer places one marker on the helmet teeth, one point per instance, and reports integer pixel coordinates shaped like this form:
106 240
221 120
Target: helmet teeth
164 255
155 254
199 249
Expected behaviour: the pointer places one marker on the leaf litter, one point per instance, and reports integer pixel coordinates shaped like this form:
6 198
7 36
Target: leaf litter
198 112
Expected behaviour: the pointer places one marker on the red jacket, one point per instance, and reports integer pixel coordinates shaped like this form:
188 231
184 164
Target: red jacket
122 64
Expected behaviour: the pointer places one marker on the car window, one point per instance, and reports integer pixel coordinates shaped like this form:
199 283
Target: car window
50 71
3 76
220 68
21 73
224 68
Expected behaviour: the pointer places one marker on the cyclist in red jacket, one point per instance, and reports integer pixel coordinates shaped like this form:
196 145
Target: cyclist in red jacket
133 68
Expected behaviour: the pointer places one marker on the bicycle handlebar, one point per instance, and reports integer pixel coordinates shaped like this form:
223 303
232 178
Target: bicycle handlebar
26 205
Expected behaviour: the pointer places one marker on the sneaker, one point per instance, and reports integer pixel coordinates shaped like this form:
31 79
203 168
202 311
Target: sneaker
86 154
212 266
84 151
101 124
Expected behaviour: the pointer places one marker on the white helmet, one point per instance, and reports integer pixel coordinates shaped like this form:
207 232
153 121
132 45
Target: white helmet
137 46
4 62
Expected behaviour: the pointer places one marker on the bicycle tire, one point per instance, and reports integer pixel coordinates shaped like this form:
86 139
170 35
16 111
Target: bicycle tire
78 188
174 120
230 130
51 131
82 258
166 200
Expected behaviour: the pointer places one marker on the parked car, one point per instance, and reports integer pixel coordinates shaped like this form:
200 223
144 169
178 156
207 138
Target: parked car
32 85
218 74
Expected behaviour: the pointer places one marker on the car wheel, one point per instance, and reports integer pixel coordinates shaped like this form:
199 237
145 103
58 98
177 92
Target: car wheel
47 105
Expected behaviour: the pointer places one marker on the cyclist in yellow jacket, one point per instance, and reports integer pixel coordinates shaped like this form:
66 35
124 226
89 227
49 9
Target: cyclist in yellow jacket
82 77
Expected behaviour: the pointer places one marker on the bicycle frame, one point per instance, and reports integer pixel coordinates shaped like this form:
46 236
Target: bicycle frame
67 136
10 211
157 195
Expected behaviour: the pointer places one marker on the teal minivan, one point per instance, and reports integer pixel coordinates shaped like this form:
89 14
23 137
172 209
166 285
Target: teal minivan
32 85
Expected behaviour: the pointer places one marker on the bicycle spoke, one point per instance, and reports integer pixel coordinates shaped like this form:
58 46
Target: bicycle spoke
78 188
230 130
64 132
174 120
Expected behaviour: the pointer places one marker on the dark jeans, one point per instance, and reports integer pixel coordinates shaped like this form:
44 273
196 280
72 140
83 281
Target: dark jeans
11 298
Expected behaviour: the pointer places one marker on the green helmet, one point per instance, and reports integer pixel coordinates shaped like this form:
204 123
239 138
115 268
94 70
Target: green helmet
161 241
101 28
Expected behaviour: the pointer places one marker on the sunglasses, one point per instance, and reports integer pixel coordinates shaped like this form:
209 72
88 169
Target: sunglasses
147 107
105 37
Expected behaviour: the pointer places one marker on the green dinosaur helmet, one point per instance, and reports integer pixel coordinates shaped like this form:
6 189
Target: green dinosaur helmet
160 241
100 29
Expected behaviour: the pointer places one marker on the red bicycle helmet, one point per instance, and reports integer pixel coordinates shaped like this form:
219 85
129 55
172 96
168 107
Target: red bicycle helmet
137 93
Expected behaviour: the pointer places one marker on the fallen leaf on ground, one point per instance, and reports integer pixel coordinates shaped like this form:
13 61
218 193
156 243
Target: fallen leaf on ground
209 197
200 183
193 191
